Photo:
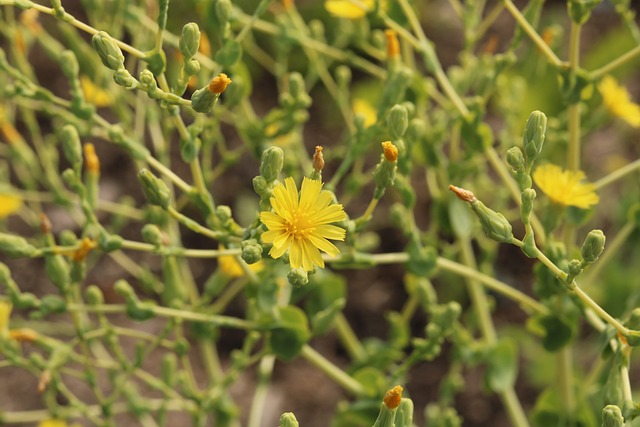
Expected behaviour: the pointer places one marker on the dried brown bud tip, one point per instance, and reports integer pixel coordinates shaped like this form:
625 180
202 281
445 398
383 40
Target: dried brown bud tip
393 397
393 47
44 381
390 151
464 195
91 160
318 159
45 224
219 83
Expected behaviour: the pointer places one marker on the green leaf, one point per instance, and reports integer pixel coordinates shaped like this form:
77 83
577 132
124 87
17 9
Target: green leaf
557 332
373 381
229 54
502 365
322 321
289 332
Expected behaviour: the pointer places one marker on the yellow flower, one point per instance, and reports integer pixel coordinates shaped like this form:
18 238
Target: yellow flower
348 9
56 423
93 94
618 101
5 313
301 223
231 268
363 107
9 204
565 187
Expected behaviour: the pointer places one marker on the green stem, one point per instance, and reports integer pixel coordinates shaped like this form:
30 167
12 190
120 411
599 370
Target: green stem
532 33
573 153
256 413
332 371
617 174
348 338
618 62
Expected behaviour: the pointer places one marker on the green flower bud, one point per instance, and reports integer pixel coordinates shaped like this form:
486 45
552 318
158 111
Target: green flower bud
612 416
251 251
580 10
343 76
71 146
94 295
189 40
494 224
398 121
223 11
288 420
109 242
515 158
593 246
151 234
16 246
123 78
203 100
297 277
417 129
189 148
155 189
136 310
109 52
57 269
261 187
404 416
271 163
148 84
528 196
69 64
533 137
386 416
298 89
385 172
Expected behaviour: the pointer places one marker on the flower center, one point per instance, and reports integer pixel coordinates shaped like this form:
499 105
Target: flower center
299 225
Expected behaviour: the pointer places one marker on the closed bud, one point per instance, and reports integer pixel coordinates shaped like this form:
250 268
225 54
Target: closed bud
151 234
288 420
494 224
528 196
108 51
148 84
203 100
69 64
123 78
398 120
297 277
71 146
189 40
533 137
318 159
251 251
612 416
223 11
385 173
16 246
593 246
343 76
57 269
155 189
271 163
515 158
404 416
93 295
261 186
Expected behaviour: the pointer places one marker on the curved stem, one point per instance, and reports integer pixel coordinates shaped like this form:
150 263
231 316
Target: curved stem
335 373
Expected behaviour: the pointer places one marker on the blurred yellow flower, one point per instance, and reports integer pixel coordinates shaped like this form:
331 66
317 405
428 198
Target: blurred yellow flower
618 101
56 423
94 94
348 9
230 267
9 204
301 223
565 187
364 108
5 313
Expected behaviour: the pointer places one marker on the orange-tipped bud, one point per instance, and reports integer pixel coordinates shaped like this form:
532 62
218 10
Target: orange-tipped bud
390 151
91 160
393 46
86 245
393 397
23 335
464 195
45 224
318 159
44 381
219 83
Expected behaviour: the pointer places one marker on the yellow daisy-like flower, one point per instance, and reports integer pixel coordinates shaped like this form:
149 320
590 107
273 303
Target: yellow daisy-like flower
565 187
364 107
9 205
5 313
301 223
231 268
94 94
618 101
347 9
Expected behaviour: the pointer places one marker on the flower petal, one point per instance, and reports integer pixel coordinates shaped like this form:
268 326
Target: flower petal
333 213
324 245
272 221
330 232
309 193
